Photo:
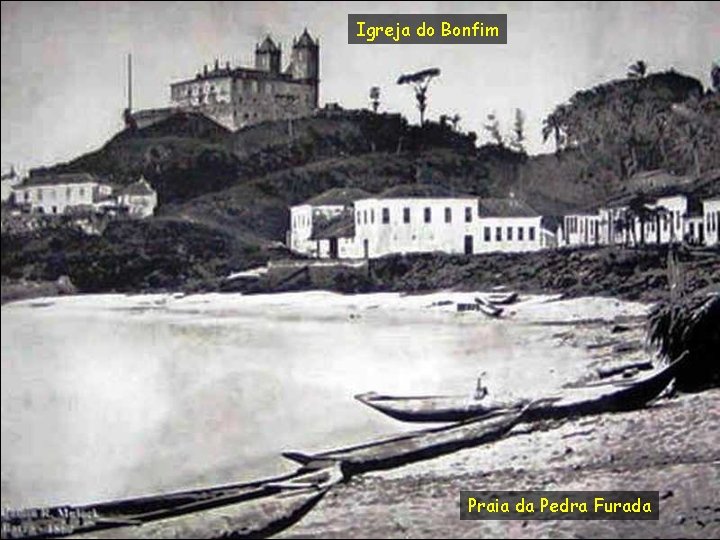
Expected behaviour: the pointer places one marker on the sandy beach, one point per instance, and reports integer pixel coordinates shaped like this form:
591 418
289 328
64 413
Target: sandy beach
543 343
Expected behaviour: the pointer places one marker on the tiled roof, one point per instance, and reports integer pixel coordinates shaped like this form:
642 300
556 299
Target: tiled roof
141 187
340 226
425 191
505 208
59 179
338 197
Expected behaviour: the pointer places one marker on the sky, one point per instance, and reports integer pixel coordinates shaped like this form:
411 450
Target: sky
64 63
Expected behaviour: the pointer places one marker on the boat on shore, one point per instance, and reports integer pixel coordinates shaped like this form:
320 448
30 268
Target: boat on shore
451 408
420 445
254 509
590 399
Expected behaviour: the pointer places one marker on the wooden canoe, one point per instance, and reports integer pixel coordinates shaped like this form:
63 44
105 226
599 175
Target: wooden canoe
590 399
242 510
608 397
416 446
432 408
502 299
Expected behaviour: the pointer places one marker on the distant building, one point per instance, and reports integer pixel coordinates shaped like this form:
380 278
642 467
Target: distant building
56 193
510 225
139 199
240 96
711 213
417 218
307 220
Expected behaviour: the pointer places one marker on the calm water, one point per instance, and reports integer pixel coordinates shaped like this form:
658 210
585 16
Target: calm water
112 396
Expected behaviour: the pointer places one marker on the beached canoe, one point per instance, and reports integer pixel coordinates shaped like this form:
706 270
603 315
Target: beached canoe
254 509
590 399
608 397
416 446
502 299
433 408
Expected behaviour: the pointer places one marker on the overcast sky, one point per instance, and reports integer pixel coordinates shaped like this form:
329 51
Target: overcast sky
64 63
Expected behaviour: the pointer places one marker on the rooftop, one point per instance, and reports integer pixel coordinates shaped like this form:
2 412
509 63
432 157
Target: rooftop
505 208
141 187
60 179
338 197
425 191
340 226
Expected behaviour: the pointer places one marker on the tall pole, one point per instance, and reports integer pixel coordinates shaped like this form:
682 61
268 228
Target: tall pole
129 82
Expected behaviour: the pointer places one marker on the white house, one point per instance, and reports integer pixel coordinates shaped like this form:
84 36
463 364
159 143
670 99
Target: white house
510 225
54 193
314 215
139 198
415 218
711 218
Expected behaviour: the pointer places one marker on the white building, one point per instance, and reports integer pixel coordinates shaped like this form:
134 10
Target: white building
711 218
139 198
54 193
510 225
415 219
315 215
582 229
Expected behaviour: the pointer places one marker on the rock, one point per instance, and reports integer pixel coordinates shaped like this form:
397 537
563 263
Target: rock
666 494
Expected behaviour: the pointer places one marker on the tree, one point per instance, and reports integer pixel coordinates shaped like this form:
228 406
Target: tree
375 98
518 140
493 129
638 70
420 82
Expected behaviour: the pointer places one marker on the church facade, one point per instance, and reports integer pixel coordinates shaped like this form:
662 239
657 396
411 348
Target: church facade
240 96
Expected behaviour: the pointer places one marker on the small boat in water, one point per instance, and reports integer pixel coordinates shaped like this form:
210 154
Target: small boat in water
433 408
591 399
416 446
250 510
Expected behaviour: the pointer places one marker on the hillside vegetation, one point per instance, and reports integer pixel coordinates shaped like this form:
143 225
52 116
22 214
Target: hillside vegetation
224 196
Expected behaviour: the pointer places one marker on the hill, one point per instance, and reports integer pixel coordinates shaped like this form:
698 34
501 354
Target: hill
232 190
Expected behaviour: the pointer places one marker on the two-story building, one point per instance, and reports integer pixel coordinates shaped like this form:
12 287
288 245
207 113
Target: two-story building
54 193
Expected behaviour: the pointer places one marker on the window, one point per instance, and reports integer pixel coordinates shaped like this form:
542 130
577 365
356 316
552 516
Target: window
406 215
358 218
487 234
82 192
677 220
448 215
372 215
428 215
68 193
531 233
386 215
498 233
365 217
468 214
521 233
509 233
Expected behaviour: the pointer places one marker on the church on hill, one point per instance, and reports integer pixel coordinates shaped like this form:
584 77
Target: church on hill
241 96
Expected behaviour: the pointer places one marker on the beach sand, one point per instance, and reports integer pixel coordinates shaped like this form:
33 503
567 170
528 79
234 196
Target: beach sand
671 448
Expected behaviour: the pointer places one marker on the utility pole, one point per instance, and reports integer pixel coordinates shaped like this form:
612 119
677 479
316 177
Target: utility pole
129 70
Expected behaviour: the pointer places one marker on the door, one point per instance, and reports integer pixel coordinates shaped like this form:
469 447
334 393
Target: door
366 248
333 248
468 245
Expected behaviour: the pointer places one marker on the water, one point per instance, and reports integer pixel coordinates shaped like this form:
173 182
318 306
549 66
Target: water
114 396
